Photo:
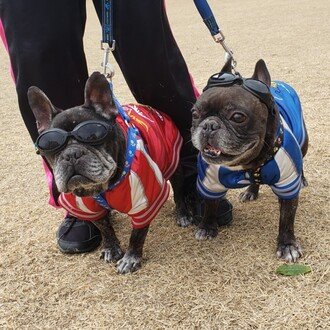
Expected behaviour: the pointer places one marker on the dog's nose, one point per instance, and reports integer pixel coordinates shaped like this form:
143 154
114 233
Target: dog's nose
210 126
72 154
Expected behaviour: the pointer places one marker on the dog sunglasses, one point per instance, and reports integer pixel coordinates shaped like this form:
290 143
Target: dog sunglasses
255 87
91 132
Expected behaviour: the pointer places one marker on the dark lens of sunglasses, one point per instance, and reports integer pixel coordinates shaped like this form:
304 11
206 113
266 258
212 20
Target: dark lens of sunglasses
226 77
257 86
260 90
50 141
222 79
91 132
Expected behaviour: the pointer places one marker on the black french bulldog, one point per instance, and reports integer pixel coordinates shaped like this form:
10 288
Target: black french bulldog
250 132
89 149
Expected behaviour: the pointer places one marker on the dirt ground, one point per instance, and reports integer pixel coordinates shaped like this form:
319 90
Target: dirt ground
227 283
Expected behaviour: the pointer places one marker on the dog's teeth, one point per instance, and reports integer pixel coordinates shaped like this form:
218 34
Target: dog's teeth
209 150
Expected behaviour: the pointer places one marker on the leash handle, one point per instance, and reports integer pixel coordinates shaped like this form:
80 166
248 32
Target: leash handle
107 25
211 23
108 42
207 16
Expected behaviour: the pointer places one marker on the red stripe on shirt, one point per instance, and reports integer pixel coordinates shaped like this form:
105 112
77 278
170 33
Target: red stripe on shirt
68 202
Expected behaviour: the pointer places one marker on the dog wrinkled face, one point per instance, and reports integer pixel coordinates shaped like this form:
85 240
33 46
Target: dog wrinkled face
229 125
80 168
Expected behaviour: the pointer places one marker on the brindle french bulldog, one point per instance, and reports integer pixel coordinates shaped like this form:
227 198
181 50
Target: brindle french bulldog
83 169
249 132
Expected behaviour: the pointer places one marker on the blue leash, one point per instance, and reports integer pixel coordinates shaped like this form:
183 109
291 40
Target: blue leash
211 23
107 23
207 15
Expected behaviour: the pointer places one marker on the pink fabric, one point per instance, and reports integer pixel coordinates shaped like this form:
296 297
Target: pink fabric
4 40
196 92
49 178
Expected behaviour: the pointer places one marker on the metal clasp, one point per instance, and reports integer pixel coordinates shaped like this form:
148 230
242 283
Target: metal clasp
105 45
108 69
220 38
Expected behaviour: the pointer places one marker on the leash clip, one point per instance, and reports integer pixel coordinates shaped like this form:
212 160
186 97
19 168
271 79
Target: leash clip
108 69
220 38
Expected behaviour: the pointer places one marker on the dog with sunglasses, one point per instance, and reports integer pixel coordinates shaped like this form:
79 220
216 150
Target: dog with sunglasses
250 132
104 160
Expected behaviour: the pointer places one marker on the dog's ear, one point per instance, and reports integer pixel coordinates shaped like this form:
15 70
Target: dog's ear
227 67
261 73
98 95
43 110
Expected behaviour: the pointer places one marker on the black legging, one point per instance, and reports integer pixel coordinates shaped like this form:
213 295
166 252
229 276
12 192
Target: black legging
46 50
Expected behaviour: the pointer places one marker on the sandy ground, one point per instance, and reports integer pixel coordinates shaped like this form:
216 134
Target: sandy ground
227 283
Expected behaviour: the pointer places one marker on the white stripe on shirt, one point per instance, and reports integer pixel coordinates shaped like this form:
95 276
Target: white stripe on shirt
152 164
211 181
287 168
138 197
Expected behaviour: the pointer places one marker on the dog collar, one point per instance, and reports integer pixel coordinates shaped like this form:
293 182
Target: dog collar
256 173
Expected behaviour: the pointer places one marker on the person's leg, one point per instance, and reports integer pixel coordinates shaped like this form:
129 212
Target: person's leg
45 46
155 70
153 66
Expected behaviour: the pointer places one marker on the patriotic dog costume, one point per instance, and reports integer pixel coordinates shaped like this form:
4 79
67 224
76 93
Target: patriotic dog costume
142 191
283 172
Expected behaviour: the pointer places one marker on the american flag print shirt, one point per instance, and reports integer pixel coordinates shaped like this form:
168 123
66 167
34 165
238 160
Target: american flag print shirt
144 190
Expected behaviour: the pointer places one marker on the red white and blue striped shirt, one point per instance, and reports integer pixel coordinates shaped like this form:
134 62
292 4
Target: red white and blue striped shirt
144 190
283 173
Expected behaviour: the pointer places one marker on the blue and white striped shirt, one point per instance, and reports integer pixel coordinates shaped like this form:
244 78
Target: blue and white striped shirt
282 173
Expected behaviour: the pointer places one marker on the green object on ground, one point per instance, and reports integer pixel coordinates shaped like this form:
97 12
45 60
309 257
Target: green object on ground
293 269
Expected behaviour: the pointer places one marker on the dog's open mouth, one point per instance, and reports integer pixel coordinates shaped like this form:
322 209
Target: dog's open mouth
212 152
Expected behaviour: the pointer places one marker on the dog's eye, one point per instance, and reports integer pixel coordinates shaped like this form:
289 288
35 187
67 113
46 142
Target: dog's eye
238 117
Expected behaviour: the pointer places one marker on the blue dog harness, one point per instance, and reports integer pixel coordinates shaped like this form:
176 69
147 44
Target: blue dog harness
283 172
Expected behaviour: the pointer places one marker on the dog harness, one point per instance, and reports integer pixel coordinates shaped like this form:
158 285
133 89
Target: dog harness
283 172
144 189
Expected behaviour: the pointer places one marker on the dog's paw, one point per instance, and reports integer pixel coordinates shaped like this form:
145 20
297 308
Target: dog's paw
184 221
206 233
128 264
111 255
289 252
304 181
247 196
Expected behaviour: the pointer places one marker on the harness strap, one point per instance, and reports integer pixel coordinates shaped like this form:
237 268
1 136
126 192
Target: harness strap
256 173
